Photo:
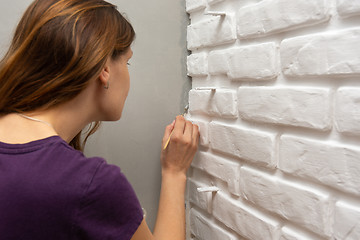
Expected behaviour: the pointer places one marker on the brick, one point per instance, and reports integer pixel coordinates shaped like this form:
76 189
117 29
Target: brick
195 5
347 219
291 234
204 229
251 145
223 169
301 107
272 16
203 200
211 2
304 206
250 62
290 68
204 132
221 103
347 8
331 164
244 220
334 53
197 64
347 110
211 32
219 62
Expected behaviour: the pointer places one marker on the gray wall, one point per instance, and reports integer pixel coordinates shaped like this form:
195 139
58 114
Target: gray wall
158 92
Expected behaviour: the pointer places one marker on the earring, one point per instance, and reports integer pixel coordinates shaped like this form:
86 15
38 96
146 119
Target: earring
107 85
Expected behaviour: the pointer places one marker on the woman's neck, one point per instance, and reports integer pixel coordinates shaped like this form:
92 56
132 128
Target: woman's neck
65 121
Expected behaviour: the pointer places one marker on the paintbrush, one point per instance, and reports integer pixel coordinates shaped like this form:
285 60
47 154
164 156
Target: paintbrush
168 140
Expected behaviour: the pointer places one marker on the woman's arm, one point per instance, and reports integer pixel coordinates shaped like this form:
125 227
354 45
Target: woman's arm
175 161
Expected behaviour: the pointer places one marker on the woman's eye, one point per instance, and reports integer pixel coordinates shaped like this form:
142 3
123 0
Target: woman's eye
128 64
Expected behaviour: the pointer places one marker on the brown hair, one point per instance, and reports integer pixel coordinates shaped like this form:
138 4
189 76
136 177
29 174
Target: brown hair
58 47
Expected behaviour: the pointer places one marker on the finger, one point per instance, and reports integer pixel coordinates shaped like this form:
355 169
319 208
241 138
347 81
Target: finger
188 132
179 125
196 134
172 125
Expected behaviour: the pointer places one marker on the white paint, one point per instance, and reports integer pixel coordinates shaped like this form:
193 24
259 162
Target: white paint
205 89
256 62
347 218
212 31
335 165
206 229
288 233
197 65
305 206
250 145
243 219
208 189
347 110
216 103
333 53
284 150
203 129
348 8
300 107
195 5
221 168
212 13
272 16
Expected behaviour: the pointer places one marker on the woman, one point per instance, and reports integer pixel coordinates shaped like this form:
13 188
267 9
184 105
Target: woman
66 68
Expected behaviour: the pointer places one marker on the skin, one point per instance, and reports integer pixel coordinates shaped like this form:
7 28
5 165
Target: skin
96 103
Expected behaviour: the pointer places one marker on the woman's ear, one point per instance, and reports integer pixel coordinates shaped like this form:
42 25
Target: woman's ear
104 76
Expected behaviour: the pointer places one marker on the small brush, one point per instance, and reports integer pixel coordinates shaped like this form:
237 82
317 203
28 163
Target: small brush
185 112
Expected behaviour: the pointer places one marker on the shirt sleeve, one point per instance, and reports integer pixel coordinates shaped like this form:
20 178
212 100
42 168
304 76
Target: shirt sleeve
110 209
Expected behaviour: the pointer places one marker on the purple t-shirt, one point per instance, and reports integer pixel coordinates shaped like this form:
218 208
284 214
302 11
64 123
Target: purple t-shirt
48 190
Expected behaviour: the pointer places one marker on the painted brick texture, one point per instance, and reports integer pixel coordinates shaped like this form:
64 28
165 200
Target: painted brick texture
334 53
252 62
280 131
271 16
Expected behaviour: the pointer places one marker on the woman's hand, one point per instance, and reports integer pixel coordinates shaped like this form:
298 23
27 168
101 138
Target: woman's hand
180 151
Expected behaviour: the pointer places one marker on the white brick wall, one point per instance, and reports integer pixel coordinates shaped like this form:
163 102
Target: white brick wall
280 135
222 104
334 53
347 218
348 8
205 229
210 32
271 16
347 110
251 62
299 107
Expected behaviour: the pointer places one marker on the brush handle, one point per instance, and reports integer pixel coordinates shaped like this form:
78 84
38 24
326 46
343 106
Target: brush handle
167 142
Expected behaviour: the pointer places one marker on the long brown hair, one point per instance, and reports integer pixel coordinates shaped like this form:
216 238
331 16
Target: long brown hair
58 47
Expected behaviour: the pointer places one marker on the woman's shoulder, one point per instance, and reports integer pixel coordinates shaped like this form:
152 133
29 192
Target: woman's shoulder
100 176
74 163
59 151
94 178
